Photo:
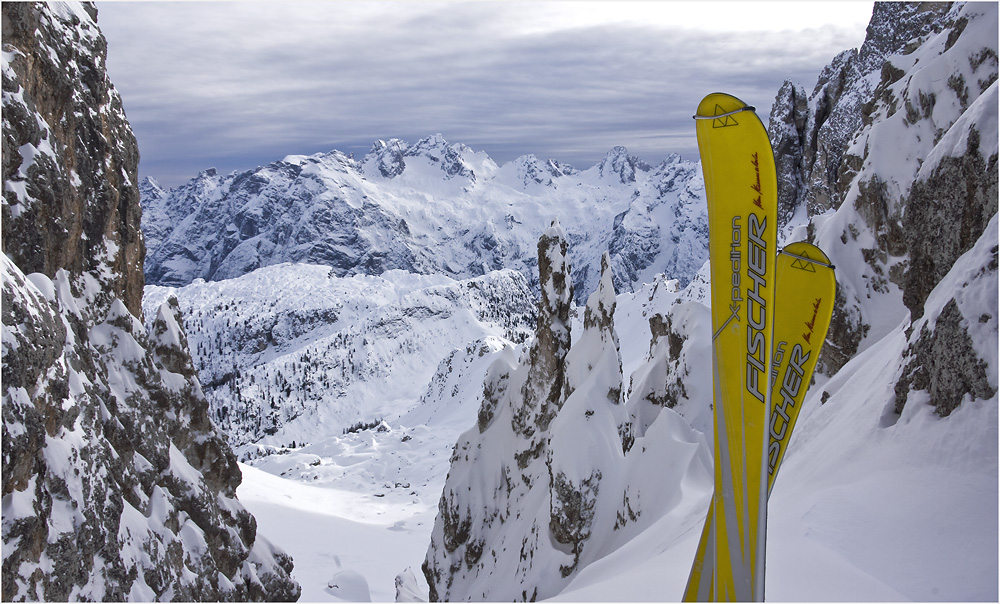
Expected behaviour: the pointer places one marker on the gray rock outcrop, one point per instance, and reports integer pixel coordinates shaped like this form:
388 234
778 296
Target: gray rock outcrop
69 155
810 134
902 148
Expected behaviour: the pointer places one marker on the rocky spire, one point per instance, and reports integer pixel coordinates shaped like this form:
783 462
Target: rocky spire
505 457
619 166
592 413
542 392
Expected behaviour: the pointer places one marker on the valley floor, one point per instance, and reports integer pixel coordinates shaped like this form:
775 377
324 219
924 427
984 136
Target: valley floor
347 546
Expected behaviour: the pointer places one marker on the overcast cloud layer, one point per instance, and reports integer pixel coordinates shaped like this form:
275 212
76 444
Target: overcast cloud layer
236 85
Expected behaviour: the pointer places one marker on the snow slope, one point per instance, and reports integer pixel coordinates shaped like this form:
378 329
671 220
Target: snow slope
293 352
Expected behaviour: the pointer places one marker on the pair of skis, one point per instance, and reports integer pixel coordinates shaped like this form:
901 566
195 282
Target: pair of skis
770 313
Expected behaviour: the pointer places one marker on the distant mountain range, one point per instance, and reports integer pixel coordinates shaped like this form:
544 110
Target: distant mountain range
428 207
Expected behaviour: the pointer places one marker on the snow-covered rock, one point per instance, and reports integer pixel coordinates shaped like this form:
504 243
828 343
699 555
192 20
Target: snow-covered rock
904 220
116 485
68 152
552 478
810 134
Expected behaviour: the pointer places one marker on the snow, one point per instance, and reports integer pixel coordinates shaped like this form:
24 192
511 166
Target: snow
44 285
330 351
171 335
184 472
350 586
19 503
873 498
322 528
983 114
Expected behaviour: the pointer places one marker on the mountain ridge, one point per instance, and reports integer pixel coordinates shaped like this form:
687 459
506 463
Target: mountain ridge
445 208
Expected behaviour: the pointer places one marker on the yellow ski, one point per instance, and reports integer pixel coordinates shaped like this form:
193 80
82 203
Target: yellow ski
804 292
741 189
803 305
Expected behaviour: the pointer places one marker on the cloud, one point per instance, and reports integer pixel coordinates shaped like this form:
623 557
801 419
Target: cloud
235 85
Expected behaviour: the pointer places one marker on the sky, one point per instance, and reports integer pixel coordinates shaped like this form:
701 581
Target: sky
236 85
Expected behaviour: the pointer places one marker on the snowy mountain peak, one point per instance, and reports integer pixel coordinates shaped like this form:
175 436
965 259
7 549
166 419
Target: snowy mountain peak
387 157
556 168
619 166
150 189
527 172
671 160
428 207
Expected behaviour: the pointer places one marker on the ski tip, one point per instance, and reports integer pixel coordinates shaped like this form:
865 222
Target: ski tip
719 105
806 251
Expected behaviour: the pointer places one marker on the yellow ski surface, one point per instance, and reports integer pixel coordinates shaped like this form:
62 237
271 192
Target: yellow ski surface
803 305
741 189
805 286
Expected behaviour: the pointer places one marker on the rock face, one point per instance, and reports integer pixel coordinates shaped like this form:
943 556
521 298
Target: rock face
115 484
912 213
70 175
428 207
810 133
948 210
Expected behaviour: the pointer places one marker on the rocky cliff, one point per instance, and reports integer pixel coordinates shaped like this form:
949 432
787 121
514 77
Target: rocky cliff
810 132
69 156
900 124
115 483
